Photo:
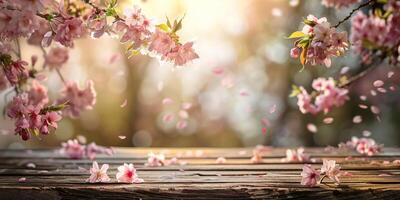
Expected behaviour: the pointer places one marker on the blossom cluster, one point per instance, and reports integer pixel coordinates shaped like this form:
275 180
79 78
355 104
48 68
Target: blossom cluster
325 96
311 176
76 150
371 33
339 3
366 146
126 174
31 113
318 42
159 160
54 27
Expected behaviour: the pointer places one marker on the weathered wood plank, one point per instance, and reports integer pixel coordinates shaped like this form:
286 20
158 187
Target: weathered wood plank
56 177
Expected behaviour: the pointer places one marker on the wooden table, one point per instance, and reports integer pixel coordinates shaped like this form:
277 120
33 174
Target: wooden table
56 177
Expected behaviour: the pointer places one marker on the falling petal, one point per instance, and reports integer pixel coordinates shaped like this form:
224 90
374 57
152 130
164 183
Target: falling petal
363 97
390 74
186 105
183 114
378 83
227 82
375 110
312 128
373 92
181 125
362 106
366 133
124 103
167 101
168 118
272 109
218 70
381 90
357 119
378 118
392 88
344 70
122 137
328 120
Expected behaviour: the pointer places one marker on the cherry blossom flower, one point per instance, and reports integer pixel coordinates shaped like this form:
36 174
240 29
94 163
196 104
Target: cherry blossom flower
331 169
319 41
366 146
16 71
220 160
98 175
37 94
69 30
161 43
328 95
155 160
309 175
93 149
298 155
78 99
57 57
127 174
338 4
73 149
182 54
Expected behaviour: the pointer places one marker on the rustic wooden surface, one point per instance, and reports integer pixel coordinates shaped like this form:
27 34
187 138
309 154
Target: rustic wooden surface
56 177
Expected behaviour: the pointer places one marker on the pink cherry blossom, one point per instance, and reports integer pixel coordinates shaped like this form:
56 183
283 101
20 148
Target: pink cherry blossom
98 175
16 71
73 149
327 96
182 54
293 155
331 170
97 24
37 94
155 160
309 175
93 149
68 30
162 43
57 57
127 174
78 99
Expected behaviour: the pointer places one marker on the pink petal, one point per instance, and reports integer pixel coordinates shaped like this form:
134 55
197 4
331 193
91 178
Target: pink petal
312 128
31 165
328 120
181 125
122 137
362 106
168 118
375 110
344 70
167 101
220 160
124 103
114 57
264 130
366 133
363 98
218 70
357 119
186 105
381 90
378 83
373 92
390 74
244 93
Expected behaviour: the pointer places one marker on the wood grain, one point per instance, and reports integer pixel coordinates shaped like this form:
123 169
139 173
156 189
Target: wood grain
57 177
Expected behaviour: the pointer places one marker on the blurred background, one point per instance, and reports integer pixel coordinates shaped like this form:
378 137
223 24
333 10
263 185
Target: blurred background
235 95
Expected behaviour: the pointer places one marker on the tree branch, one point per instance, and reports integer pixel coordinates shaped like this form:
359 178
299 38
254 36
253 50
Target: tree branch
353 11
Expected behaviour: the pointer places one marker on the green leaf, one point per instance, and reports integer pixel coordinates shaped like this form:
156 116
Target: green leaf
304 42
177 25
295 91
309 22
164 27
168 22
297 34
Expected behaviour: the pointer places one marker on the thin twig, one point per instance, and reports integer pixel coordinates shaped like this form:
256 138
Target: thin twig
44 56
60 75
353 11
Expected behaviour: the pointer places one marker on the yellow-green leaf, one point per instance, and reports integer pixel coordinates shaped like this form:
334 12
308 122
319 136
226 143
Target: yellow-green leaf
164 27
297 34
